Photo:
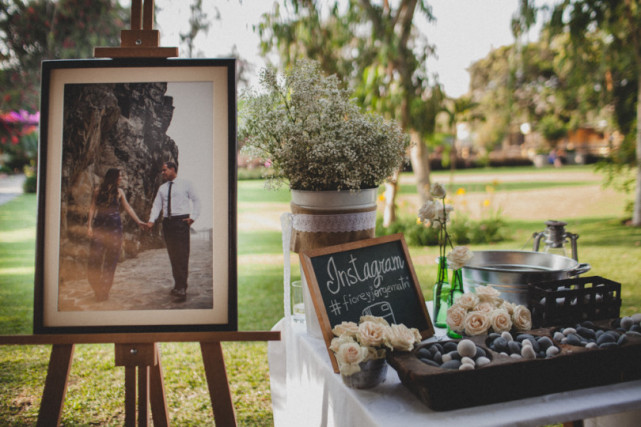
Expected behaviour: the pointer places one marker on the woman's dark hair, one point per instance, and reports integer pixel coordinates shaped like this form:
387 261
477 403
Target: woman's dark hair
108 190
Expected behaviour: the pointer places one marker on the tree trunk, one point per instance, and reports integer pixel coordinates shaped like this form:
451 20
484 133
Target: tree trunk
391 188
636 215
419 156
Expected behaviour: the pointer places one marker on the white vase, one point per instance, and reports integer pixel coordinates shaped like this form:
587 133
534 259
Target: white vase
325 218
333 200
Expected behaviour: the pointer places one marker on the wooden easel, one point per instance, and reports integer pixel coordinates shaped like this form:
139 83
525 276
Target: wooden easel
138 352
141 41
142 356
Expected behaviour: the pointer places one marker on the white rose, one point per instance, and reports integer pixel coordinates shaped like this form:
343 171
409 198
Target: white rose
468 300
346 328
338 341
427 212
458 257
508 306
456 317
348 356
374 319
488 293
476 323
400 337
371 333
442 214
438 191
522 318
375 353
500 320
484 307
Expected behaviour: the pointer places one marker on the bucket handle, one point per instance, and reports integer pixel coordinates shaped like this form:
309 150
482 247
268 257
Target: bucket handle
580 269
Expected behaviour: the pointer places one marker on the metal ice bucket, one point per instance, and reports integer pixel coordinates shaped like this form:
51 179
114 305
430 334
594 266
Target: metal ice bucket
510 272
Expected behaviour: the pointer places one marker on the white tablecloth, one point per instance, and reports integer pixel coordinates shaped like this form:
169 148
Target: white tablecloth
306 392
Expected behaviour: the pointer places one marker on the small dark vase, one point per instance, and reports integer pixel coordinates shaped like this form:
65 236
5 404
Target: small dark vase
373 372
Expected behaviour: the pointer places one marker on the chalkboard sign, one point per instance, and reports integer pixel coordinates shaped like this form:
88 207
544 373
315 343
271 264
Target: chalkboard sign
368 277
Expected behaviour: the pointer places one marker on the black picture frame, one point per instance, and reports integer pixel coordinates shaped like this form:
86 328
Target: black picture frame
98 114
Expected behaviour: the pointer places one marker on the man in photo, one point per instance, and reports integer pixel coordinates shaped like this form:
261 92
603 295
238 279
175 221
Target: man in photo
180 205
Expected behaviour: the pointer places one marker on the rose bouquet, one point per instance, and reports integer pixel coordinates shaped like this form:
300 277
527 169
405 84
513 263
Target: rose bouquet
478 313
368 340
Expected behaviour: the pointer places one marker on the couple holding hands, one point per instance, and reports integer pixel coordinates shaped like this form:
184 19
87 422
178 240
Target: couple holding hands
180 205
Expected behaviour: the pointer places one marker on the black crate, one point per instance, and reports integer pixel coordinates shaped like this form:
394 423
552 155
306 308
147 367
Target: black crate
570 301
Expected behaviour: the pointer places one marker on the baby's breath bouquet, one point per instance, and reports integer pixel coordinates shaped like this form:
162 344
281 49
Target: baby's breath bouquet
305 126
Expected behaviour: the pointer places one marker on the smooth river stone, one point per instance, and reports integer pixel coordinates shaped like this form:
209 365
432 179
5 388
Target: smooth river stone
452 364
626 322
466 348
429 362
605 338
424 353
586 332
482 361
574 340
500 345
544 343
514 347
528 352
552 351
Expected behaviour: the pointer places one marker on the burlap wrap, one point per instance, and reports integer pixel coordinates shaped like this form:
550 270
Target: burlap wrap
354 220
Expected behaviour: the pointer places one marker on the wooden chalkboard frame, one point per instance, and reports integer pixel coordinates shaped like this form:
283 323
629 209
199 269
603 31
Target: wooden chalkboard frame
306 258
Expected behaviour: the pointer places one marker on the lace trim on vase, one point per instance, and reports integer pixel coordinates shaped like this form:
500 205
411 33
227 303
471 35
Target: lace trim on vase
339 223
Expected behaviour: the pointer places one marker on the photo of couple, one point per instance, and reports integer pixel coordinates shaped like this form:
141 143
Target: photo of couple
105 228
136 228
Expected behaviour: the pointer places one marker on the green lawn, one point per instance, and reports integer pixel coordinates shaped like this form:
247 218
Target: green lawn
96 388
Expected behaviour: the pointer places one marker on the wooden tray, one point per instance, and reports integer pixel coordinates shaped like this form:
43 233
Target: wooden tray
505 378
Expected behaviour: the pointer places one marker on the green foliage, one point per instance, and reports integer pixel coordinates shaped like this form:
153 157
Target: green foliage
600 53
552 128
462 231
35 30
314 136
375 48
30 184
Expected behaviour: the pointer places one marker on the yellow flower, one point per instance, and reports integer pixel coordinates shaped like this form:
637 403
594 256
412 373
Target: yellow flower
381 197
460 191
486 202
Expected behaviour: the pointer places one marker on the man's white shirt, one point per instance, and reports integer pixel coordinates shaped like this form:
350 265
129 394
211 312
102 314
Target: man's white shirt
184 200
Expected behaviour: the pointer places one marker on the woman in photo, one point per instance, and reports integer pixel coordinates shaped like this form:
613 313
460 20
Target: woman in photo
105 231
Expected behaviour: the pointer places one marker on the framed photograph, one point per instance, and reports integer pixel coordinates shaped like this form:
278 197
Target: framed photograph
136 193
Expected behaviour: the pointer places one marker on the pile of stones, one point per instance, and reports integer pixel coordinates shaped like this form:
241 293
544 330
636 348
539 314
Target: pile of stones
522 346
587 334
464 355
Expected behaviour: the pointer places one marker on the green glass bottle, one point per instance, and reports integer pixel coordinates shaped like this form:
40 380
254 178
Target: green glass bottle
456 290
441 294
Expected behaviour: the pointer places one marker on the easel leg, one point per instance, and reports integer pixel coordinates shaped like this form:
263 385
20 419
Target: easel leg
216 374
53 396
130 396
143 395
157 399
